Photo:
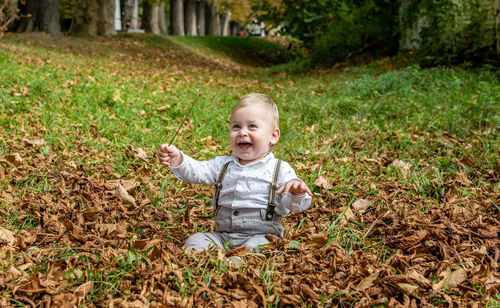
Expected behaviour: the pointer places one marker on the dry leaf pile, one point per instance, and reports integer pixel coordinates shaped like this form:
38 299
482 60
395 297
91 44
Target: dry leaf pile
72 233
85 231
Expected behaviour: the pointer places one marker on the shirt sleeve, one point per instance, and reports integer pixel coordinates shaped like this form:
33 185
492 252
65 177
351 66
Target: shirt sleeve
289 202
199 172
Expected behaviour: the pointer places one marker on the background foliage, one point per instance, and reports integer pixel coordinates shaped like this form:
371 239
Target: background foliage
444 32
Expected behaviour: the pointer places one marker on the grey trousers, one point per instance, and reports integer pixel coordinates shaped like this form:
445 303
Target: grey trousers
235 228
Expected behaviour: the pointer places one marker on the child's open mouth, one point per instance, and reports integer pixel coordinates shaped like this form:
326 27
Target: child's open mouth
244 145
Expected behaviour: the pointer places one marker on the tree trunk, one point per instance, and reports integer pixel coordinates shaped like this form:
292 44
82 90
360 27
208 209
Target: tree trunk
190 17
200 17
213 21
497 25
235 28
127 8
150 14
177 16
117 16
39 16
225 23
162 19
93 17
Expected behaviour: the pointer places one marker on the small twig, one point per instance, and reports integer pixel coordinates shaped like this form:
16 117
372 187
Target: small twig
185 118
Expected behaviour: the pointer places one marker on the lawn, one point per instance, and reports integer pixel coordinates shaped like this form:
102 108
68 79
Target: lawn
403 162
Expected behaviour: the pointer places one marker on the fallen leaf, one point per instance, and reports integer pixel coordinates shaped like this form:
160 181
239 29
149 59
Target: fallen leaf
461 177
129 185
7 236
163 107
403 166
410 289
83 289
139 153
323 183
35 142
456 277
367 282
361 205
14 159
347 216
317 241
122 193
11 273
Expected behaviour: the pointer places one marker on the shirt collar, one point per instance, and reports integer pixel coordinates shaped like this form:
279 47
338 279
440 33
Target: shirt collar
264 160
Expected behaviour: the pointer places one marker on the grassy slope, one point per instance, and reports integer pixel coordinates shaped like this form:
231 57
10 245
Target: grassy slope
95 102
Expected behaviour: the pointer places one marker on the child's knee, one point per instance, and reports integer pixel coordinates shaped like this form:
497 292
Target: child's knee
202 241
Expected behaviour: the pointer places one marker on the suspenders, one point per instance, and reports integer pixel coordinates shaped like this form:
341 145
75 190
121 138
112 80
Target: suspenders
271 205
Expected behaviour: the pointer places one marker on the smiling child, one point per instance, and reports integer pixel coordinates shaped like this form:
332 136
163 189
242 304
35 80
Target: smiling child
254 190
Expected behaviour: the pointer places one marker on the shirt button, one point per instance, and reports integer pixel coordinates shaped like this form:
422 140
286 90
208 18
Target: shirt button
236 213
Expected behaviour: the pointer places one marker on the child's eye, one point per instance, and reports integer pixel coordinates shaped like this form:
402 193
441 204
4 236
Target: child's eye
252 126
235 126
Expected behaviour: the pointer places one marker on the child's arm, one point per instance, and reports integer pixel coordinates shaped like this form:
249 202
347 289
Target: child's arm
169 155
188 169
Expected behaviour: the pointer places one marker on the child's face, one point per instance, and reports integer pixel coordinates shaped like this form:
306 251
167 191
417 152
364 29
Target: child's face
252 133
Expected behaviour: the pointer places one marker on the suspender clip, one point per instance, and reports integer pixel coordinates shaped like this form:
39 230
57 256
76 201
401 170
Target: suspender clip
270 211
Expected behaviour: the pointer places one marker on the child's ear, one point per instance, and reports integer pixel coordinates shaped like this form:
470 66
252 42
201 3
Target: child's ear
275 136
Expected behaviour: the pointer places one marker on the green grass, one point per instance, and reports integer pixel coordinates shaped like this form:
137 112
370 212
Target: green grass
93 106
254 51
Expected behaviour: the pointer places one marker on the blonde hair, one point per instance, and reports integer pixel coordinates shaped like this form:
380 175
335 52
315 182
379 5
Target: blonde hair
258 98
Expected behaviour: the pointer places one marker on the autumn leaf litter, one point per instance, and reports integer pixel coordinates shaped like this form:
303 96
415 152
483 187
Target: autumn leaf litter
403 250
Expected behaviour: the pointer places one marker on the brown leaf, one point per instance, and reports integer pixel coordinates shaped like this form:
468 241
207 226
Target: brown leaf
7 236
122 193
318 241
83 289
129 185
163 107
112 230
410 289
11 273
35 142
139 153
493 282
14 159
461 177
322 182
403 166
406 241
367 282
457 277
64 300
361 205
347 216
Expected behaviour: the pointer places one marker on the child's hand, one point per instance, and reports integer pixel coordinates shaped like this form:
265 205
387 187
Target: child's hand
296 187
169 155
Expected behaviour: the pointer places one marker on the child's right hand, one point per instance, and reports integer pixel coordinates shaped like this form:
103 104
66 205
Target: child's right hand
169 155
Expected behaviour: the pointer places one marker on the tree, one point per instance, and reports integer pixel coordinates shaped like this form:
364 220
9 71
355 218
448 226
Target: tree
213 20
190 17
200 17
162 19
127 10
150 17
177 17
226 18
497 25
38 16
93 17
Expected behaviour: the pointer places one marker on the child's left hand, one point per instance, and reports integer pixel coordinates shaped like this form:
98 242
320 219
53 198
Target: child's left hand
296 187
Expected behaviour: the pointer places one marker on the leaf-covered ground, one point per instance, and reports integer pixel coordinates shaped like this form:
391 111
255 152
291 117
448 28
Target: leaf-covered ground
403 162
